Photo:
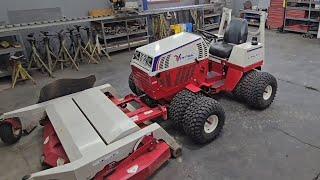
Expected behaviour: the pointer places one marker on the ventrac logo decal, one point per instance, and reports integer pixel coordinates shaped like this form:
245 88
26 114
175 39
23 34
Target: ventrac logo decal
180 58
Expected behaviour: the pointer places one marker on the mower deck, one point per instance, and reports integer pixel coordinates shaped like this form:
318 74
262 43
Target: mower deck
87 135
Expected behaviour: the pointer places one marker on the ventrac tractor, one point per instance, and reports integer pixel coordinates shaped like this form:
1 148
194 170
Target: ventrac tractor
92 133
184 70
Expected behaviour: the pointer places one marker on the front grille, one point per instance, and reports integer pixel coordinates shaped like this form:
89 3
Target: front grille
164 62
200 50
203 50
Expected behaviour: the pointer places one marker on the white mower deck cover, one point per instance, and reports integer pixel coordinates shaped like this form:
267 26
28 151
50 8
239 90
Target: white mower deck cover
93 131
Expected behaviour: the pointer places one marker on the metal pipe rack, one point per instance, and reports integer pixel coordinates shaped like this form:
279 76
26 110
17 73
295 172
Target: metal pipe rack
66 21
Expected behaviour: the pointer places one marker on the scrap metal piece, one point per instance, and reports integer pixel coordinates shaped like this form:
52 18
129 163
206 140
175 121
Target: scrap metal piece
63 87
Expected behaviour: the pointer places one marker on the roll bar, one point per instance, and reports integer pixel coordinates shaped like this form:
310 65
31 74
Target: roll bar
262 26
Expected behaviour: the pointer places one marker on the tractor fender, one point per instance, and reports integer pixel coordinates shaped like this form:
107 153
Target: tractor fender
233 78
193 88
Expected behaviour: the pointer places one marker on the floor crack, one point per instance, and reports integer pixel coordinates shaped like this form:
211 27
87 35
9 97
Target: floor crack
311 88
298 139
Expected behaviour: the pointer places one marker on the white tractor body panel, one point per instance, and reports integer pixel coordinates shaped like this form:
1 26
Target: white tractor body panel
168 44
246 54
169 53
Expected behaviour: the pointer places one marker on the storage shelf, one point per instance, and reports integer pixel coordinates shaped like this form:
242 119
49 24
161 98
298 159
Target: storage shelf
302 8
302 19
211 26
211 15
253 24
138 38
4 73
123 46
6 34
300 2
301 31
10 50
250 12
252 17
125 39
306 9
125 34
138 32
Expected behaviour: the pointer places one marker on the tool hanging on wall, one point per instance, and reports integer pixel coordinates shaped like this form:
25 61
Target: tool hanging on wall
35 57
196 18
64 56
161 27
19 73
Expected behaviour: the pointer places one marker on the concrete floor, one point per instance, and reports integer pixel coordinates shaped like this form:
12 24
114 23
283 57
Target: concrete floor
282 142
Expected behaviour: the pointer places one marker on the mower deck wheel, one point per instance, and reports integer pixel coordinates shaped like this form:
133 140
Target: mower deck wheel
179 105
176 153
204 120
261 90
8 134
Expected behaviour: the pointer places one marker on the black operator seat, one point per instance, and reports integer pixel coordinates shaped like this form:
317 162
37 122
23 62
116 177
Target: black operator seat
236 33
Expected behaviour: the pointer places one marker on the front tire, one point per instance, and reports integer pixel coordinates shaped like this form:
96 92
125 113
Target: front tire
132 85
261 90
8 134
204 120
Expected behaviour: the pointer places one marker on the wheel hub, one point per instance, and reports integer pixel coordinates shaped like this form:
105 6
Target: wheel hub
16 132
211 124
267 92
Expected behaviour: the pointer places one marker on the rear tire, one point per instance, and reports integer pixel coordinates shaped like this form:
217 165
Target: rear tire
241 89
8 135
261 90
178 107
204 120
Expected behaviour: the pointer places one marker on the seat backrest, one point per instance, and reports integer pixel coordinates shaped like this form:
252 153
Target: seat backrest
236 32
